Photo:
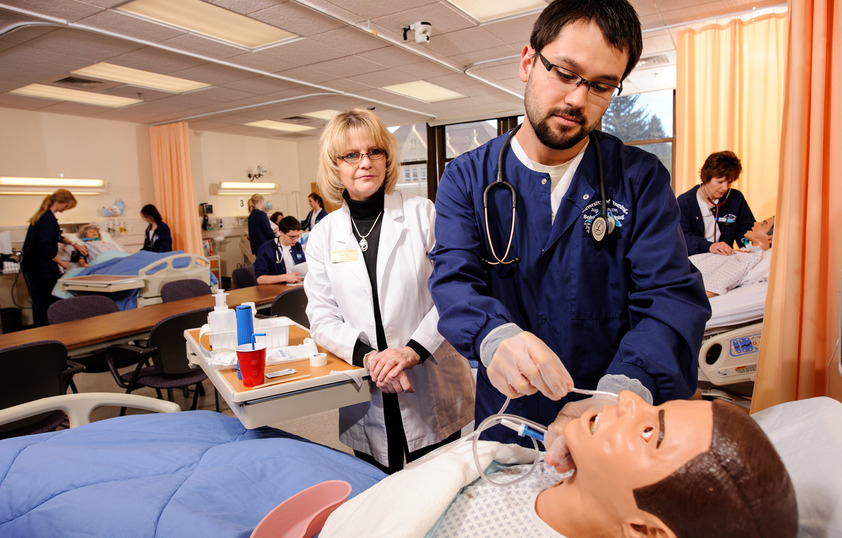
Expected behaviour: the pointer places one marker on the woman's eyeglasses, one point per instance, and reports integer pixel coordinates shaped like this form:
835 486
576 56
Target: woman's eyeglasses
354 157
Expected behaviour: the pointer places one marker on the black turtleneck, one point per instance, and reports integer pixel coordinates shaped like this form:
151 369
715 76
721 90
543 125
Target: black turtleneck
368 217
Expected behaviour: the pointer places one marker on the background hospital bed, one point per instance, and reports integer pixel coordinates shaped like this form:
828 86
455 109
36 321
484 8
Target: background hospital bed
728 357
193 473
151 269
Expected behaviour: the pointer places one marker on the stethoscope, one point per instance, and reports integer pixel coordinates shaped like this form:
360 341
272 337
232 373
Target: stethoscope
601 226
716 204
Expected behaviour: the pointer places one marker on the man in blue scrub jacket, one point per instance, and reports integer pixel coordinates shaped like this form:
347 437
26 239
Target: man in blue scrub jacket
615 308
276 257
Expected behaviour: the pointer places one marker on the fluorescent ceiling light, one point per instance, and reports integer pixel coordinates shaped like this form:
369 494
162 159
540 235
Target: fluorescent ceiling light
138 77
51 182
280 126
489 10
77 96
424 91
46 185
326 114
243 188
209 20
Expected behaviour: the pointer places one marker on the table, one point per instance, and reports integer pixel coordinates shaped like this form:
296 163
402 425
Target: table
84 335
324 388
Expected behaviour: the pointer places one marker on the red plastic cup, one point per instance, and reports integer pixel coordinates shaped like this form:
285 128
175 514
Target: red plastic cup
252 363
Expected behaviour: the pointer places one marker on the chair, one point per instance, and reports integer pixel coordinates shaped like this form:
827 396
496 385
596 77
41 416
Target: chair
170 368
184 289
243 277
292 304
84 306
30 372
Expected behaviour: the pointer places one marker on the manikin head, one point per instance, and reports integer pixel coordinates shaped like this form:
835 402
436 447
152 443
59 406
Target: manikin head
761 233
90 232
684 468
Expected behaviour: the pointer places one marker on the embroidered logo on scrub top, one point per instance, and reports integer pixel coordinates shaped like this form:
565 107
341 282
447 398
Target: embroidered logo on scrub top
727 219
594 209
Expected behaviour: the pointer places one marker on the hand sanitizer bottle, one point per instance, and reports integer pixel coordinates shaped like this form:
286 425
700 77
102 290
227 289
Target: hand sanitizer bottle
222 319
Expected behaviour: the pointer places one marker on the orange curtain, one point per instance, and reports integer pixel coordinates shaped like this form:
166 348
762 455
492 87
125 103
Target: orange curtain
729 96
172 175
802 308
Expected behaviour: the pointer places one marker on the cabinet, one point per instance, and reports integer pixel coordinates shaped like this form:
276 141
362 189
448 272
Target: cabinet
215 268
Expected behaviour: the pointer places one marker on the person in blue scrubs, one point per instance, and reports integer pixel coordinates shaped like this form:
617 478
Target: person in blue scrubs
714 215
277 257
259 229
562 308
157 237
317 212
40 262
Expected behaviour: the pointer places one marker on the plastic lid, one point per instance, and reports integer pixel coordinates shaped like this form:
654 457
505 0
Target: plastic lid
221 303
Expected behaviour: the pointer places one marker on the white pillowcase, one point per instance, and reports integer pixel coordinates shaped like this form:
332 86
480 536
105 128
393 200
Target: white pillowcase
808 436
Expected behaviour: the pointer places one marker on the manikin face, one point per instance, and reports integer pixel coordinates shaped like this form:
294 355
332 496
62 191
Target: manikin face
364 178
634 444
562 118
759 233
717 187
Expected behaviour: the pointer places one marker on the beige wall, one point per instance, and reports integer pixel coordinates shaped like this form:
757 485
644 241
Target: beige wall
41 144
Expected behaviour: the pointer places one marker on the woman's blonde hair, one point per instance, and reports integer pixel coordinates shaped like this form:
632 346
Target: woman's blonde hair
332 145
61 196
253 201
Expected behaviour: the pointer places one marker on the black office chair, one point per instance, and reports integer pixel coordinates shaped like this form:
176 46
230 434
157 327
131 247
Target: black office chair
292 304
170 368
82 307
31 372
243 277
184 289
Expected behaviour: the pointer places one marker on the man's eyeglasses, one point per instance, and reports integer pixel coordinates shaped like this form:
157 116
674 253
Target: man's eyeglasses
603 91
294 237
354 157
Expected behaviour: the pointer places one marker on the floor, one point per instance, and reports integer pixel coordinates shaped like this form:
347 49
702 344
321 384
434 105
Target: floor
321 427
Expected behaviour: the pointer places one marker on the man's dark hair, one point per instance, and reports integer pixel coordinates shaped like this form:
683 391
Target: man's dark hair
289 224
616 18
739 488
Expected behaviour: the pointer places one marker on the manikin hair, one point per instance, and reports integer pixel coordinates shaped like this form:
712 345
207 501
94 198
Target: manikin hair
738 488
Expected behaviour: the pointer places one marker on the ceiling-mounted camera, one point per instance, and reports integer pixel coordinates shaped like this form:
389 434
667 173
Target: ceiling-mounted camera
422 30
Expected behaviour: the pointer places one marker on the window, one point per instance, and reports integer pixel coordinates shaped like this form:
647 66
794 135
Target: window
646 120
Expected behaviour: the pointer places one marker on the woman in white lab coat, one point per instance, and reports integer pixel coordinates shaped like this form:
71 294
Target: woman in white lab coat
368 300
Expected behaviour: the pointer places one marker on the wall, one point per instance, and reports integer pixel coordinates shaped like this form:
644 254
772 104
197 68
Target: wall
42 144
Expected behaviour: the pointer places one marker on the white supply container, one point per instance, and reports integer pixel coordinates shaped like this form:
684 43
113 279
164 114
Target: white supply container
276 329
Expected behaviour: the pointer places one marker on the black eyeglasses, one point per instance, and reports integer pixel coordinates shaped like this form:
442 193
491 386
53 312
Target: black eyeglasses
604 91
354 157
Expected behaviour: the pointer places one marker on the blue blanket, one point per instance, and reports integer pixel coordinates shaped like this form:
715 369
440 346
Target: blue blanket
121 263
195 473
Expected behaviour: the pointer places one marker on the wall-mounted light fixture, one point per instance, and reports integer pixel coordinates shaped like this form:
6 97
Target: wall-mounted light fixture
35 186
241 188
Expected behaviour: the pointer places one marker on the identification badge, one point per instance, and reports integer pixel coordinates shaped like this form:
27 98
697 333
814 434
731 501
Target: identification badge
341 256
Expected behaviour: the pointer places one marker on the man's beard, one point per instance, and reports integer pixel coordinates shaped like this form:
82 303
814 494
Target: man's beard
564 137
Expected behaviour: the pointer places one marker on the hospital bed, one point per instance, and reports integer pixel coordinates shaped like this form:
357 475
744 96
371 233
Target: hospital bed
134 280
199 473
731 344
193 473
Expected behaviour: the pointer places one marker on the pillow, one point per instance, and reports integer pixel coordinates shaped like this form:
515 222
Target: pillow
808 436
760 272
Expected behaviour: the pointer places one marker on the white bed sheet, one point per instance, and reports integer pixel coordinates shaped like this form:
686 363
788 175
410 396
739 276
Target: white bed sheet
738 306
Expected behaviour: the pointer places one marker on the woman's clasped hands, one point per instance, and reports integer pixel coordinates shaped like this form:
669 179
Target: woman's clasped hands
388 369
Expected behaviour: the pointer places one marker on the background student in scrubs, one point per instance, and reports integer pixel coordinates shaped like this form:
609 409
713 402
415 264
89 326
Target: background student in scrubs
40 262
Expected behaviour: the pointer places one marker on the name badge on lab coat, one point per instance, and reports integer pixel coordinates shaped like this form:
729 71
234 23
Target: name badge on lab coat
341 256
